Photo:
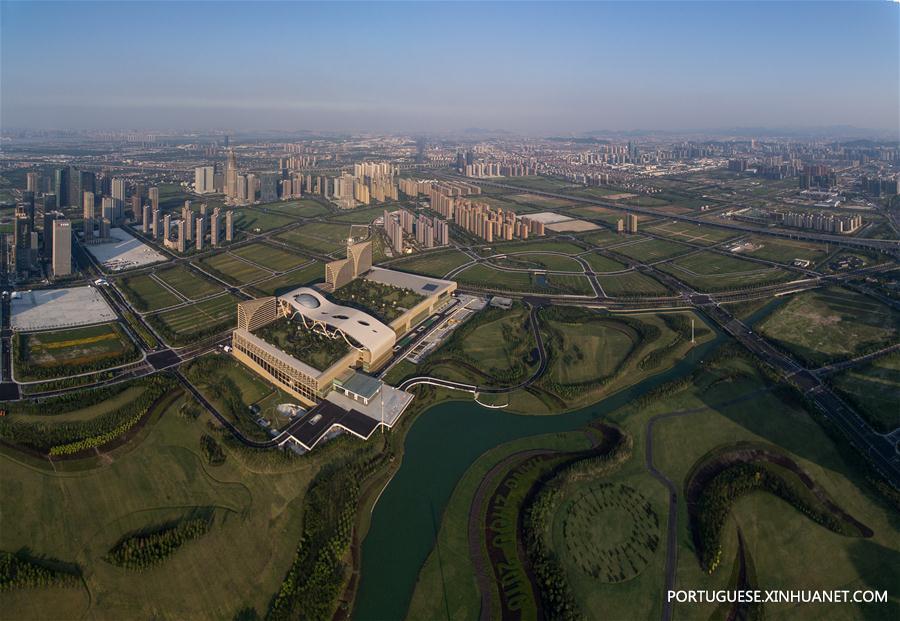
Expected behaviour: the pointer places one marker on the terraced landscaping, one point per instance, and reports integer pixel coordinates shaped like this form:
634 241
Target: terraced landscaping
187 324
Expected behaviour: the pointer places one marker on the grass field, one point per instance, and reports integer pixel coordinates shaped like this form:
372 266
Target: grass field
874 390
786 250
183 325
270 257
306 275
188 283
597 349
600 264
692 233
77 515
536 245
540 261
435 264
649 249
708 271
484 276
146 294
825 325
252 220
602 238
545 184
76 350
303 208
632 284
363 215
232 269
299 238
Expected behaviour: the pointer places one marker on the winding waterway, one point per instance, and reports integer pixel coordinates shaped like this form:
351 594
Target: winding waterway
441 445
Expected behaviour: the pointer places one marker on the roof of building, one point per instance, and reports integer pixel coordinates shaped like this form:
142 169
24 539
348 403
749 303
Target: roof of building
278 354
354 323
359 384
423 285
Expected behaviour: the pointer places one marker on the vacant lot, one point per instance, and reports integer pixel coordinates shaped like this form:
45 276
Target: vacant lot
146 294
232 269
786 250
270 257
825 325
41 355
188 283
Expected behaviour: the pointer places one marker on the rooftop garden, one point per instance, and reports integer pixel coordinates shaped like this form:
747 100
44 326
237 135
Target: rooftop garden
313 348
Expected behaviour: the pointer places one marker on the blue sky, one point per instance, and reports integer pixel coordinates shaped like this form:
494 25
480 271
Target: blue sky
535 67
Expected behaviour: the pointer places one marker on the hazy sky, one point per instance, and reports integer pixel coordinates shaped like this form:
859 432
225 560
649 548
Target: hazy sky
536 67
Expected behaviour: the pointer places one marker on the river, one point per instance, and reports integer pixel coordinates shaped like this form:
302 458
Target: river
441 445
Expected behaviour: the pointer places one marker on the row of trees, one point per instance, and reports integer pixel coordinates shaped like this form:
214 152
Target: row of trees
718 495
18 572
64 438
138 552
313 583
557 600
28 369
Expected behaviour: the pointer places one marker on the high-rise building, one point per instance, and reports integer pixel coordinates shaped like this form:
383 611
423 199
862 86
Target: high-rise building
155 227
268 188
188 216
118 189
632 223
62 247
88 217
231 188
620 225
204 179
61 187
47 232
154 198
105 226
201 226
21 242
214 226
31 182
229 225
167 227
183 235
28 203
145 219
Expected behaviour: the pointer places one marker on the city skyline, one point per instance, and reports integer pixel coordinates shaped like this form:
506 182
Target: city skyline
533 68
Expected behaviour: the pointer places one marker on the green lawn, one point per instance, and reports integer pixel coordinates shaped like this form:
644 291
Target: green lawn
649 249
600 264
692 233
588 350
786 250
540 261
436 263
307 275
181 326
255 221
484 276
232 269
188 283
874 390
708 271
534 245
825 325
146 294
301 238
270 257
364 215
385 302
632 284
303 208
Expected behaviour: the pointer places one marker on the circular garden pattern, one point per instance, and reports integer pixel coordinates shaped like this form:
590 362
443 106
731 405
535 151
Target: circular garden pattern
610 532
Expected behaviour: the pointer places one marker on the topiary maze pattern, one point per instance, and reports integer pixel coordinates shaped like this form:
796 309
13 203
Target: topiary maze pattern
611 532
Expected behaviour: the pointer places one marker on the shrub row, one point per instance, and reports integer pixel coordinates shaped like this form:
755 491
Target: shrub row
138 552
17 572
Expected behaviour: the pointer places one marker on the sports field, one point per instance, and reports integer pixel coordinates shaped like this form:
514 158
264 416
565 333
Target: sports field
874 390
825 325
649 249
435 264
306 275
270 257
631 284
40 355
232 269
183 325
146 294
188 283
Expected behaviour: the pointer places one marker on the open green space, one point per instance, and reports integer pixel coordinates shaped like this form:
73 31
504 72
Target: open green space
187 324
255 221
363 215
709 271
435 264
826 325
600 264
874 390
383 301
188 283
303 208
545 184
270 257
601 237
786 250
648 249
533 245
232 269
307 275
145 293
539 261
484 276
315 349
632 284
44 355
692 233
